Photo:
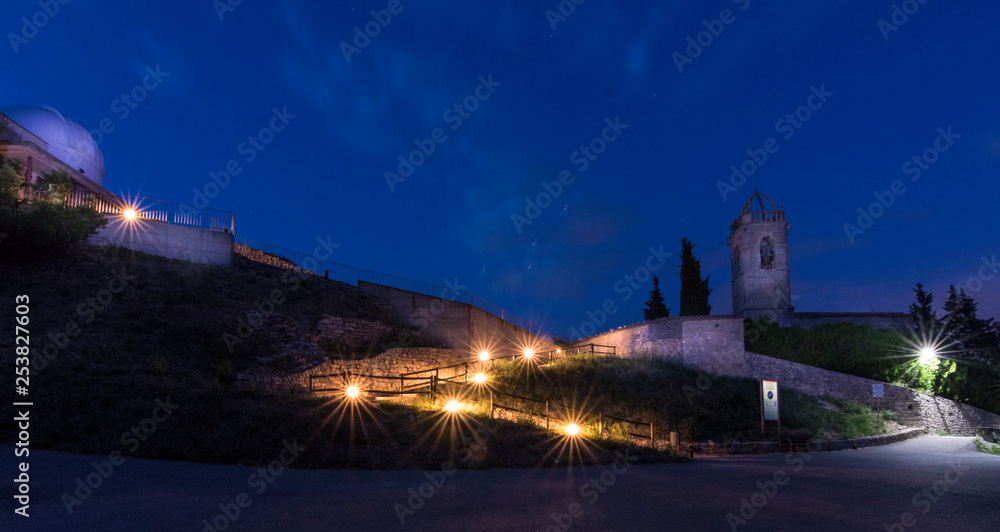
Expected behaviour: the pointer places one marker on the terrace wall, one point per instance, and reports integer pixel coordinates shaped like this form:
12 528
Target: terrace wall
192 244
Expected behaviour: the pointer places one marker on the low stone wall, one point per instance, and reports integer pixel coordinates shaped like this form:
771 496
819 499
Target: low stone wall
661 337
267 258
713 343
758 447
392 363
911 406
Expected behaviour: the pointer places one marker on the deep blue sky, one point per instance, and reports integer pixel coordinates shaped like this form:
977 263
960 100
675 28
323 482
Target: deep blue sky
323 175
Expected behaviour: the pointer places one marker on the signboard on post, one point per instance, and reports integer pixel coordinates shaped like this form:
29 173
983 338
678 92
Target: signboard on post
769 389
878 390
769 404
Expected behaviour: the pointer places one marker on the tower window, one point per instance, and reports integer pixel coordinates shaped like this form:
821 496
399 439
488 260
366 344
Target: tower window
766 254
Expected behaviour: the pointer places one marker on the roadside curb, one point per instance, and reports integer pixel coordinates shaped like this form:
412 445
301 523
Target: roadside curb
712 448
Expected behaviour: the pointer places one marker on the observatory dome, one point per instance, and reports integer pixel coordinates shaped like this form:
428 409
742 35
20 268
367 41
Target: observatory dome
68 141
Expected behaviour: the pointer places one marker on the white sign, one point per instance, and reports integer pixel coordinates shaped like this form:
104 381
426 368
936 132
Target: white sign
770 398
877 390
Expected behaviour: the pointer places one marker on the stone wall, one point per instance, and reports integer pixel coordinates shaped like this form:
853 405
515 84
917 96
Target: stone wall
911 406
501 338
267 258
445 320
714 343
392 363
456 325
660 337
353 332
192 244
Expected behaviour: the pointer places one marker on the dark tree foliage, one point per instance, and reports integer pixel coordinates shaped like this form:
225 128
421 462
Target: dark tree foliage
965 331
45 225
694 289
655 307
924 317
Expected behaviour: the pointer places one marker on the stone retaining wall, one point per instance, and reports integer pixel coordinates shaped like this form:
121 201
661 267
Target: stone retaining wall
911 406
267 258
758 447
354 332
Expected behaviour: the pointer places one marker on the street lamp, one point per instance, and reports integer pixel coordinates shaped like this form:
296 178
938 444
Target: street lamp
927 354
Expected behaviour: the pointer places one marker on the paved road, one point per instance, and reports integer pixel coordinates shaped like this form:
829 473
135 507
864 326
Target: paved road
850 490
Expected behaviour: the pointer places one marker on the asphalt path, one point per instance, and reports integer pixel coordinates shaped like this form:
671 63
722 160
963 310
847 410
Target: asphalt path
927 483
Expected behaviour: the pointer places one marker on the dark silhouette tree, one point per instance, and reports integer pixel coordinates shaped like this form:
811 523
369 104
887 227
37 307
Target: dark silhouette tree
655 307
694 289
965 330
924 317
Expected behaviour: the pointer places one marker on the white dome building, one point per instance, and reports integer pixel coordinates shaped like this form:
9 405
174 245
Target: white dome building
67 140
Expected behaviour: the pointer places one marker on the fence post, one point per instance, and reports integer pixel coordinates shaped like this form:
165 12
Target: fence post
491 404
546 415
652 440
600 423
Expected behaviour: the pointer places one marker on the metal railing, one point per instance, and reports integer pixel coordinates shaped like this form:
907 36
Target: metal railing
147 209
352 276
556 354
183 214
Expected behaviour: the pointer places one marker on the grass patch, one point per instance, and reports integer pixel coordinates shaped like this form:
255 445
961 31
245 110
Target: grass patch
987 447
699 406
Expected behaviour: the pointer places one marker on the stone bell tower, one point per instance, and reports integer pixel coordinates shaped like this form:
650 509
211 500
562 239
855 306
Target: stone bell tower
759 251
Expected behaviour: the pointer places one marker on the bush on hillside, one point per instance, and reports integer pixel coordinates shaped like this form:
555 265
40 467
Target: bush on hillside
882 355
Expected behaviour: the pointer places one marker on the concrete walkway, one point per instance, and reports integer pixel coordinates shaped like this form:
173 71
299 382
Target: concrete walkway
927 483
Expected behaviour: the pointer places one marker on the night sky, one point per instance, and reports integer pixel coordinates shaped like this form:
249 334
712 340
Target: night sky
531 89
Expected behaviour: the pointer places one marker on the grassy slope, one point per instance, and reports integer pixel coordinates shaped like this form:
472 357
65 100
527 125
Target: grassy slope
161 339
673 397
